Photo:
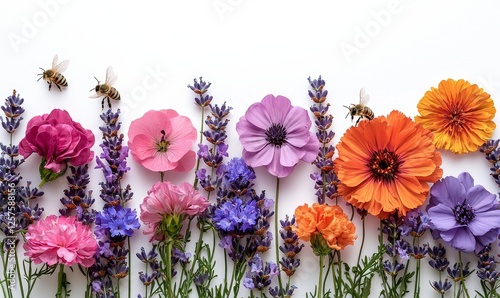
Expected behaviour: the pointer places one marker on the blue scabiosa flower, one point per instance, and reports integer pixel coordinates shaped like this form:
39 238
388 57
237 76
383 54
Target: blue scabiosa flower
116 222
238 176
464 215
236 217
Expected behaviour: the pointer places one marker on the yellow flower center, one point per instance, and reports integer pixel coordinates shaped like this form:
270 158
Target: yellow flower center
455 120
162 146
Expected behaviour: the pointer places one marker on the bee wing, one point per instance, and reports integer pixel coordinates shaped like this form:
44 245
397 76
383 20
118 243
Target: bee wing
110 76
363 97
61 67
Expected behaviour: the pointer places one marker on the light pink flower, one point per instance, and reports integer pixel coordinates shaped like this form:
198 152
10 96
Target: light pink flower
58 139
165 200
162 141
60 240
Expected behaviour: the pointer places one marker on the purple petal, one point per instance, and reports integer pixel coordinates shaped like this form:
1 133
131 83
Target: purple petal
480 199
259 158
278 107
259 116
276 169
463 240
311 148
466 179
290 155
485 222
442 218
297 124
252 138
449 191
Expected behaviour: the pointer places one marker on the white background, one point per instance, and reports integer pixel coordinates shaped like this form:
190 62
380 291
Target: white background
395 49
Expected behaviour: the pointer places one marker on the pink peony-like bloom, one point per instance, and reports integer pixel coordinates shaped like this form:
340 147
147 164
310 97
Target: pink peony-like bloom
58 140
162 140
171 203
276 135
60 240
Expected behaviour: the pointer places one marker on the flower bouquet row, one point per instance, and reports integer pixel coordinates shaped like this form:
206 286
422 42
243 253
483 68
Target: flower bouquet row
386 168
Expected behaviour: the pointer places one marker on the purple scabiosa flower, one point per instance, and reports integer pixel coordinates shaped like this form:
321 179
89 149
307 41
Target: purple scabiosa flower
238 176
276 135
117 222
260 274
236 217
464 215
326 180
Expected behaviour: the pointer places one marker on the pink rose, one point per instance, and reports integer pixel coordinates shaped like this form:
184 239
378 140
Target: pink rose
58 140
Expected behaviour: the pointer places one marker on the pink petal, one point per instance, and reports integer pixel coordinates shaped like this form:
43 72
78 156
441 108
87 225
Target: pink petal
186 163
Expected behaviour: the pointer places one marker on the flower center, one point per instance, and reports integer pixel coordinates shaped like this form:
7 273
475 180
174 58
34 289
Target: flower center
384 165
276 134
455 119
162 146
464 213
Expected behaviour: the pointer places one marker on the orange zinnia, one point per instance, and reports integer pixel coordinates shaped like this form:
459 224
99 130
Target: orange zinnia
328 221
459 114
384 165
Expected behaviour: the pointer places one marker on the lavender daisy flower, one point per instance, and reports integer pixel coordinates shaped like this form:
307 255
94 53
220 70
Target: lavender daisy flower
463 215
276 135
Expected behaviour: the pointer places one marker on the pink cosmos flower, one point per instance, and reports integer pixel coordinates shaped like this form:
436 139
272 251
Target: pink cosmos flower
60 240
167 201
276 135
162 140
58 139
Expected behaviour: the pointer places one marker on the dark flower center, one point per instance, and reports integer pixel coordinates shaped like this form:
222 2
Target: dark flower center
162 145
464 213
456 119
384 165
276 134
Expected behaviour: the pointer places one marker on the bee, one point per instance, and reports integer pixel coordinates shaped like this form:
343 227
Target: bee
107 90
54 75
360 109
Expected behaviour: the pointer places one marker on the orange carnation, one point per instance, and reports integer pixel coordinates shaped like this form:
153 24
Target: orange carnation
385 164
328 221
459 114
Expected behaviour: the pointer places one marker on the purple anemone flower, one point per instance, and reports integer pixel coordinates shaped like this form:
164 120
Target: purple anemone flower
463 215
276 134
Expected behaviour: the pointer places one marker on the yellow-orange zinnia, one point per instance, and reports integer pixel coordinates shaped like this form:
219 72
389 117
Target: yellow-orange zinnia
329 221
384 165
459 114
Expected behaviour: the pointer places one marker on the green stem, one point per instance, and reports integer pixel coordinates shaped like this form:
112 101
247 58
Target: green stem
320 280
462 278
129 268
19 275
60 280
276 232
339 285
195 184
170 244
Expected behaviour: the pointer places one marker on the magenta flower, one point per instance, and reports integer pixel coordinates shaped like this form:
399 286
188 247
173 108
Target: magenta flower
162 140
58 140
276 135
166 206
463 215
60 240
